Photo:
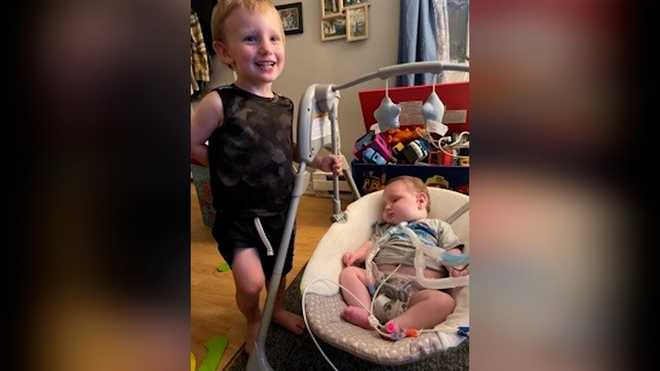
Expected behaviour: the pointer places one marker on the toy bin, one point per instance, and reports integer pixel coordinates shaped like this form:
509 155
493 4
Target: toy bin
436 171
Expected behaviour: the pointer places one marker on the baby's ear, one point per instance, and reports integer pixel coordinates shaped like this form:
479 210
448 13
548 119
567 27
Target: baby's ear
422 200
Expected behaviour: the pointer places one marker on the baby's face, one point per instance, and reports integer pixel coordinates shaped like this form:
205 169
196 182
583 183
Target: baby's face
403 203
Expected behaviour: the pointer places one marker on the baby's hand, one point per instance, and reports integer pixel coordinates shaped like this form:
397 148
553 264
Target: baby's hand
459 270
348 259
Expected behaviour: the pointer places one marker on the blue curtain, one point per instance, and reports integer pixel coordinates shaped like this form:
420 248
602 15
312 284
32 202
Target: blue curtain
417 38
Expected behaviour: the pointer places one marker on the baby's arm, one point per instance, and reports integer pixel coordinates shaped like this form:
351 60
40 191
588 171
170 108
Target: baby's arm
207 117
356 257
459 270
450 239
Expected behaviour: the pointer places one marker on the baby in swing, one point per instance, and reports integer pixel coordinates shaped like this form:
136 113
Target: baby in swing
400 301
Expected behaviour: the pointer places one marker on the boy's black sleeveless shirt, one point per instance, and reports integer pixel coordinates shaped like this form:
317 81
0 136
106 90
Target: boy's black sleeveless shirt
250 154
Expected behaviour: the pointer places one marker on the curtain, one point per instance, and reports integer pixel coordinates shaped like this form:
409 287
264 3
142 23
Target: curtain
442 36
417 38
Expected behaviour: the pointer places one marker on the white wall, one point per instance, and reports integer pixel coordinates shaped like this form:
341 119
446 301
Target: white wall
310 61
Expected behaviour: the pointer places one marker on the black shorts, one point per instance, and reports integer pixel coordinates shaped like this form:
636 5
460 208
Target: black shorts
240 232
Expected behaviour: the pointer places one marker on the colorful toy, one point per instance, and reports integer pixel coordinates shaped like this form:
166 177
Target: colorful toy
380 145
436 156
370 155
362 142
417 150
464 156
216 348
405 135
449 157
377 143
223 267
397 148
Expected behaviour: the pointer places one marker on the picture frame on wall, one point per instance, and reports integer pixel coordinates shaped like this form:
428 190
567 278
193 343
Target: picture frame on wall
331 8
357 23
349 3
333 28
292 17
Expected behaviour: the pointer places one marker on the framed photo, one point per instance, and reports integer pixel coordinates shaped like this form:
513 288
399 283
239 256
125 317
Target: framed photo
292 17
333 28
349 3
357 23
331 8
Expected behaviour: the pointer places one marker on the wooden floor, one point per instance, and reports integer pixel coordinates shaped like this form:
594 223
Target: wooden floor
213 308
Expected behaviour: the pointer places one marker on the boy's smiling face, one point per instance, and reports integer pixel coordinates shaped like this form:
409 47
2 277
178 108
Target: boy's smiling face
254 47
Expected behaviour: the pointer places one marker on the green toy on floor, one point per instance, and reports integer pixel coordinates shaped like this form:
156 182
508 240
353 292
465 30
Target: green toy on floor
223 267
216 348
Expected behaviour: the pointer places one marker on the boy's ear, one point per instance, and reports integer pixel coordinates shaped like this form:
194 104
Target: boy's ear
422 200
221 50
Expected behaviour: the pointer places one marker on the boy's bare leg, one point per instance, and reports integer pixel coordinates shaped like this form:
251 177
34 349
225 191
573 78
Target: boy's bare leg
354 279
427 308
283 317
249 280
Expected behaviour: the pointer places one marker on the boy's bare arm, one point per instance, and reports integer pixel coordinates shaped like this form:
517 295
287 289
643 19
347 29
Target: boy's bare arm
327 162
206 118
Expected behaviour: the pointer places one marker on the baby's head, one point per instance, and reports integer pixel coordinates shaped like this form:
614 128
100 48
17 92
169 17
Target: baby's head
249 37
405 198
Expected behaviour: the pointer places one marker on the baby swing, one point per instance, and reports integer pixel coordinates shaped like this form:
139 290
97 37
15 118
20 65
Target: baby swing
322 304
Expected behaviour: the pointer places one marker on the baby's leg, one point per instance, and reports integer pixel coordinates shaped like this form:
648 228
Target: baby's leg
249 279
354 279
283 317
427 308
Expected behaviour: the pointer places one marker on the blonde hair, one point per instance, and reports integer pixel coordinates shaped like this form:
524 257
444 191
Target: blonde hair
224 8
415 185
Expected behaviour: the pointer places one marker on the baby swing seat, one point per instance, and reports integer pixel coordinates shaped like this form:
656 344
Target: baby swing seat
323 302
